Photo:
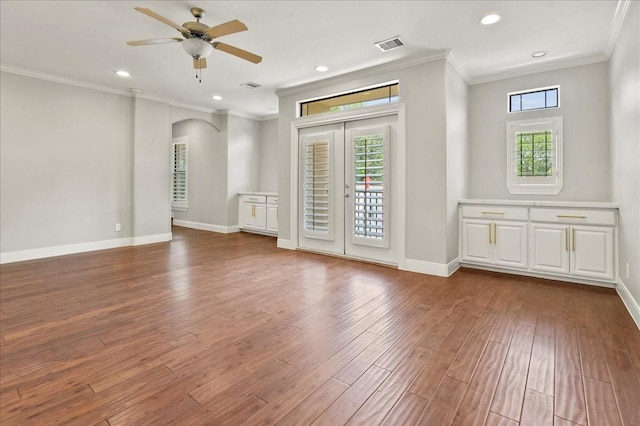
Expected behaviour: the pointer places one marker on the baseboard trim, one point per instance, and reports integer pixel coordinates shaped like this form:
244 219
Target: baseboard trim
151 239
44 252
206 226
629 302
285 244
430 268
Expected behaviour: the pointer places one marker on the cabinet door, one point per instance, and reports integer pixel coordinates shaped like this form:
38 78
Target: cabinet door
549 248
260 217
247 217
476 245
592 252
510 244
272 218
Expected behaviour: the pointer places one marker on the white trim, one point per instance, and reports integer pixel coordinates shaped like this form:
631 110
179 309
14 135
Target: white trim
286 244
194 108
457 65
53 251
429 268
453 266
629 302
616 26
537 68
535 185
151 239
366 72
206 226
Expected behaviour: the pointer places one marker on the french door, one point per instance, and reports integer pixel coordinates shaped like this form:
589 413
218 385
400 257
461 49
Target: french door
346 200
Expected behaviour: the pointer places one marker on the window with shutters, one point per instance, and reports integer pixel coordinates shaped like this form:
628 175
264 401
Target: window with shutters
534 156
179 174
317 188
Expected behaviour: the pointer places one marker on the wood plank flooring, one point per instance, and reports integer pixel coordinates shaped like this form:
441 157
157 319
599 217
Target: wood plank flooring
227 330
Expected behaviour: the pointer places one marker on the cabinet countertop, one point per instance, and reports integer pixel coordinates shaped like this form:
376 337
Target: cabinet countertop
528 203
268 194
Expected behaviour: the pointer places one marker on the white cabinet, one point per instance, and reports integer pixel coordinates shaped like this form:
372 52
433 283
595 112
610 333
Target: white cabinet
575 242
577 250
272 214
494 241
258 213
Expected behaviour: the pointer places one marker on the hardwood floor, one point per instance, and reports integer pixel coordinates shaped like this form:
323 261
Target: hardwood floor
227 329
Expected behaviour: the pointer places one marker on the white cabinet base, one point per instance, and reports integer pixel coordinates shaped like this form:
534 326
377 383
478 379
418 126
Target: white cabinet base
258 213
573 242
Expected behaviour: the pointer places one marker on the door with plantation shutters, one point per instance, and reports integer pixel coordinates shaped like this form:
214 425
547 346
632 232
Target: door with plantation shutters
320 200
346 200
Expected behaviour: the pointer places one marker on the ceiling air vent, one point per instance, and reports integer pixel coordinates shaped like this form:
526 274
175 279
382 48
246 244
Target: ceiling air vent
250 85
392 43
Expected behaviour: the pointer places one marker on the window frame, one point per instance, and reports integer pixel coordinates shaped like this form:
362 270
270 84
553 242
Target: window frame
543 185
525 92
181 205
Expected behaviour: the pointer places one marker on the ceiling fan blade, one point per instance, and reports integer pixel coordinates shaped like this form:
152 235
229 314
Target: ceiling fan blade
162 19
199 64
243 54
230 27
153 41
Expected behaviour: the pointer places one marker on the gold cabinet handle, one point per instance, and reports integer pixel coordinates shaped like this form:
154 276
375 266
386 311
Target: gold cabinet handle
500 213
570 216
253 211
566 239
573 239
489 232
495 234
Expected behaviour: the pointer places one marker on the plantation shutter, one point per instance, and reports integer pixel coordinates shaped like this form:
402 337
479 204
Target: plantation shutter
316 176
179 175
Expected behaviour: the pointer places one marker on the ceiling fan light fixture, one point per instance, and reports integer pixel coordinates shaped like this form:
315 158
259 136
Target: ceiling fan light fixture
197 48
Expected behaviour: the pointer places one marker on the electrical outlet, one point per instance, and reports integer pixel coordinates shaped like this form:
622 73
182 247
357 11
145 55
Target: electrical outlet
627 271
118 227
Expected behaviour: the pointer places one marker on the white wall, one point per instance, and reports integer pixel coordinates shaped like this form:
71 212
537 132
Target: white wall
268 156
151 161
207 172
65 171
584 106
624 73
243 161
457 97
422 89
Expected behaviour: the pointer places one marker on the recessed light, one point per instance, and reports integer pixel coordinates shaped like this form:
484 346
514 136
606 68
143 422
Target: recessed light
490 19
216 97
122 73
322 68
539 54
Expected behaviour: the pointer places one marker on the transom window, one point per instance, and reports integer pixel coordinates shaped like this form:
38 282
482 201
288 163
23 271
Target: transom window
527 100
534 156
359 99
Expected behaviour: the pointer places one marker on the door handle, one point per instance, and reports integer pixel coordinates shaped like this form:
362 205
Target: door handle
346 195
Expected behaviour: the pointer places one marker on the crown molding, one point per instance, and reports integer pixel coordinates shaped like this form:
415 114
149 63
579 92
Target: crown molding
63 80
193 107
457 65
616 26
366 72
539 68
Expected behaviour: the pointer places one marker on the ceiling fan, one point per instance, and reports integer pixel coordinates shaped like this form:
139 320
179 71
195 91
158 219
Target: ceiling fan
198 38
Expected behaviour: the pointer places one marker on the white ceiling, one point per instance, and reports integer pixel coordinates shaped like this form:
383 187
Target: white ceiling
85 41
